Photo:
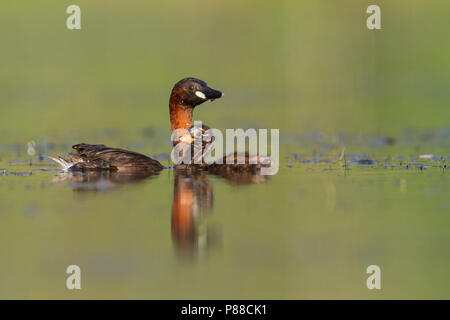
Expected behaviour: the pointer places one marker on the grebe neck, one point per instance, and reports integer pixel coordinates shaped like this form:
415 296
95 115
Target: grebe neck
180 113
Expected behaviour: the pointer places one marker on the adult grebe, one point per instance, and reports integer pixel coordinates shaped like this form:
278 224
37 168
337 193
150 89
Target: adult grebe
186 95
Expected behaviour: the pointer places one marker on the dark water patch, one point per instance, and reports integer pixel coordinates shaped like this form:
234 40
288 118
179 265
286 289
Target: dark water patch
423 167
363 162
47 169
16 173
358 156
312 161
379 142
18 162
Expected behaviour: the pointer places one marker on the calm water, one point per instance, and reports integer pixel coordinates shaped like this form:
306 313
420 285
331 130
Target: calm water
304 67
308 232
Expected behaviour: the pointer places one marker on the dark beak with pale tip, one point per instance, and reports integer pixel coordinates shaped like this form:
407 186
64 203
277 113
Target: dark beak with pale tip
205 93
211 94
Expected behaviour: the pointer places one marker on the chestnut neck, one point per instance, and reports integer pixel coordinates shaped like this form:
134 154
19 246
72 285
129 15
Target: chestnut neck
180 114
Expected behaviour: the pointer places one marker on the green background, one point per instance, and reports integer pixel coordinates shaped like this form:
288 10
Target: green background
309 68
293 65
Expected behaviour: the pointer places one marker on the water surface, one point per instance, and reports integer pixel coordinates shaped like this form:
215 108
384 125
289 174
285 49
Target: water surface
308 232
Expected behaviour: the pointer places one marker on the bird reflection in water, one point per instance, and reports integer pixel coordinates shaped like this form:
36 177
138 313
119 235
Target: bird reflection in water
193 200
98 181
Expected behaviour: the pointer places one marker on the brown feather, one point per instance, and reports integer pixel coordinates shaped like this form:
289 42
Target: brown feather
99 156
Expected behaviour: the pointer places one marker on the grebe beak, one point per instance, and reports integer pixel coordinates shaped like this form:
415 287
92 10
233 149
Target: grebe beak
209 94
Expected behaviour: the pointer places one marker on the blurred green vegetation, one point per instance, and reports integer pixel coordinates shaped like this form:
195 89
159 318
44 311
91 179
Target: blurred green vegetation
294 65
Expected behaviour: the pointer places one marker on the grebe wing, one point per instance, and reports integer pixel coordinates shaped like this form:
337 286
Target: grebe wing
115 158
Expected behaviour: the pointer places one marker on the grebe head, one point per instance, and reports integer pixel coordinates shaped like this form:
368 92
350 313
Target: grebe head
192 92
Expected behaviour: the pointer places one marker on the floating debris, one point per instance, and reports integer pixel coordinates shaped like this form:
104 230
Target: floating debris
30 150
431 157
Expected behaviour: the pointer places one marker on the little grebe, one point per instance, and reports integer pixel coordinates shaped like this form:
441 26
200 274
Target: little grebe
186 95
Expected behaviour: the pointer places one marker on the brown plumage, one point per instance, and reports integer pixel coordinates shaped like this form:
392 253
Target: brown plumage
117 159
183 100
90 157
185 96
